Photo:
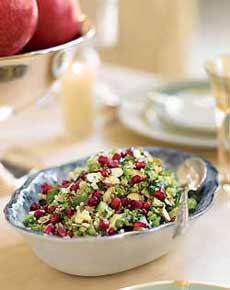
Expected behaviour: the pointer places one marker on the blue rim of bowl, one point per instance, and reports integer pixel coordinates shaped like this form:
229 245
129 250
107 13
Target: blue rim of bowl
181 283
87 34
42 235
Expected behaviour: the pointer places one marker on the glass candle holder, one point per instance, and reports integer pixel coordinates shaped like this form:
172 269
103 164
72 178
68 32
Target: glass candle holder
218 71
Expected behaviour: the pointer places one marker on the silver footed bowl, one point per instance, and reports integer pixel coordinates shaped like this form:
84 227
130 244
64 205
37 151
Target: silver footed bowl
94 256
28 76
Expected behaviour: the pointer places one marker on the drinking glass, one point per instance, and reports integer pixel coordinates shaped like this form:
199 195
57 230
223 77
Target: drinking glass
218 71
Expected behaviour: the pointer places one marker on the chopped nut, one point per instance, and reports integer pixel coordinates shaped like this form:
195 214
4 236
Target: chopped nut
169 202
111 180
94 177
61 197
117 172
107 195
165 214
134 196
82 216
43 219
137 154
41 196
94 185
85 225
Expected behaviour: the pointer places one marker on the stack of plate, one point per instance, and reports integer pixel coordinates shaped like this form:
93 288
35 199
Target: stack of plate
181 113
176 285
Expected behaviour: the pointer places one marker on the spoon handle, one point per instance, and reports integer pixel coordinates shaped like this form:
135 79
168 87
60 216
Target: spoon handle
182 217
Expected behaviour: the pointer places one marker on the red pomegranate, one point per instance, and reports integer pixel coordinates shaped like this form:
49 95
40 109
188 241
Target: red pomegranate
18 21
58 23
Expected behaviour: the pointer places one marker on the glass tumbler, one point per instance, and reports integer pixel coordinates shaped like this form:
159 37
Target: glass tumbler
218 71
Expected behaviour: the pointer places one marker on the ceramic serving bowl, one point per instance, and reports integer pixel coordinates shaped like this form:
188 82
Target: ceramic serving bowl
29 76
176 285
93 256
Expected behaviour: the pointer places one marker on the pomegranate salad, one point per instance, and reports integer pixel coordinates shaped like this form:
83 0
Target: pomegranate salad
116 192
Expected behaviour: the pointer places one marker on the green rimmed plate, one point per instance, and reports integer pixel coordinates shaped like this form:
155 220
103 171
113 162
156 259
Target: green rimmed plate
187 106
136 112
176 285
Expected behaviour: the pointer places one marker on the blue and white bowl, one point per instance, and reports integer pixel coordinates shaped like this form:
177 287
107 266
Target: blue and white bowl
94 256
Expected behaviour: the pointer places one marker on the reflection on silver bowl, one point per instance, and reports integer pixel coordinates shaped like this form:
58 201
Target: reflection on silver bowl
29 76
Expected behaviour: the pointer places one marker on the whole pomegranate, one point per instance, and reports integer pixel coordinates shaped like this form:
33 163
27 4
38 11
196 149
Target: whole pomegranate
18 21
58 23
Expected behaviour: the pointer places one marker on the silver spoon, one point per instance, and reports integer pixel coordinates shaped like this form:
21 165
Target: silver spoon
191 173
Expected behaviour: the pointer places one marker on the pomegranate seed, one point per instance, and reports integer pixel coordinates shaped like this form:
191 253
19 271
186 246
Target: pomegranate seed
34 206
45 188
136 204
115 203
97 194
125 201
146 205
55 218
93 201
61 231
113 164
49 230
69 212
112 232
105 172
65 184
83 175
45 207
38 213
159 194
103 225
116 157
119 211
129 152
103 160
139 204
52 208
139 225
136 179
139 164
75 186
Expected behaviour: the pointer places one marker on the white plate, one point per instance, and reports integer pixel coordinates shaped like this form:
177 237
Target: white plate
176 285
187 105
194 114
132 113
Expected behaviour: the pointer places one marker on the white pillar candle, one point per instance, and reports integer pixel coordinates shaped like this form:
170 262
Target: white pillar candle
76 98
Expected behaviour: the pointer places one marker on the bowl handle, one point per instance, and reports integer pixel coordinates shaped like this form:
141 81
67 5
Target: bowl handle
60 63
